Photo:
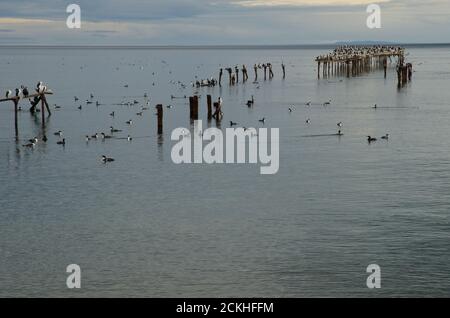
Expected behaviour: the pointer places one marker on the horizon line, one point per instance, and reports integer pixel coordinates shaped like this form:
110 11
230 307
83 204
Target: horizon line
223 46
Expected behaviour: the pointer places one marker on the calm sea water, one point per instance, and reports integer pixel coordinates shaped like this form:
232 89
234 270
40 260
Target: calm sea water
145 227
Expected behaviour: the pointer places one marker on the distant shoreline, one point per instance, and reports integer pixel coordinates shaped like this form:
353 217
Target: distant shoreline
220 47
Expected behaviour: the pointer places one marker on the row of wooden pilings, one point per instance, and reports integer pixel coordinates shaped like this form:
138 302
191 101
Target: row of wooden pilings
352 66
193 111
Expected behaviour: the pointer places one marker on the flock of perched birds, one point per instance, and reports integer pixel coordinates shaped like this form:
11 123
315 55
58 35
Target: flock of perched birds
343 52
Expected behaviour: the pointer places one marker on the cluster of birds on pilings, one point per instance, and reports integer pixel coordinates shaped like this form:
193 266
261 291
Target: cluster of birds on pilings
22 93
342 53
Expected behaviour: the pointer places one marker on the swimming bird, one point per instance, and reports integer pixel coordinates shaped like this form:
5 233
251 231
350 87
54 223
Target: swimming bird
33 140
95 136
113 130
232 123
290 110
88 138
112 114
97 103
308 121
251 102
29 145
169 106
75 98
375 107
370 139
340 124
44 138
340 133
92 95
327 103
106 136
58 133
139 114
62 142
385 137
106 159
130 122
8 93
308 104
88 102
129 138
262 120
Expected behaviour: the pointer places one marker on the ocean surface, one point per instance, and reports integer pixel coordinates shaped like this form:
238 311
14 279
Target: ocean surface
144 227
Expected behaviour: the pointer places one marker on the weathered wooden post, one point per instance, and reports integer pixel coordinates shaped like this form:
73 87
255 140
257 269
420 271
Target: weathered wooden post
195 108
191 107
318 69
348 68
16 123
209 106
43 110
159 109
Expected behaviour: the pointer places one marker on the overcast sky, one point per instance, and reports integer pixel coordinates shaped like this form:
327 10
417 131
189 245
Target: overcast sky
221 22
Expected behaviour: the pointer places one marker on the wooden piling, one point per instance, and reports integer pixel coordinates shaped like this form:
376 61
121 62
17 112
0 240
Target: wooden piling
16 122
193 107
318 69
209 106
159 112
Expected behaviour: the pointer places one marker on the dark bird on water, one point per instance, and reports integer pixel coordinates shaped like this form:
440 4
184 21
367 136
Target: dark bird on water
233 123
251 102
262 120
385 137
106 159
371 139
29 145
62 142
